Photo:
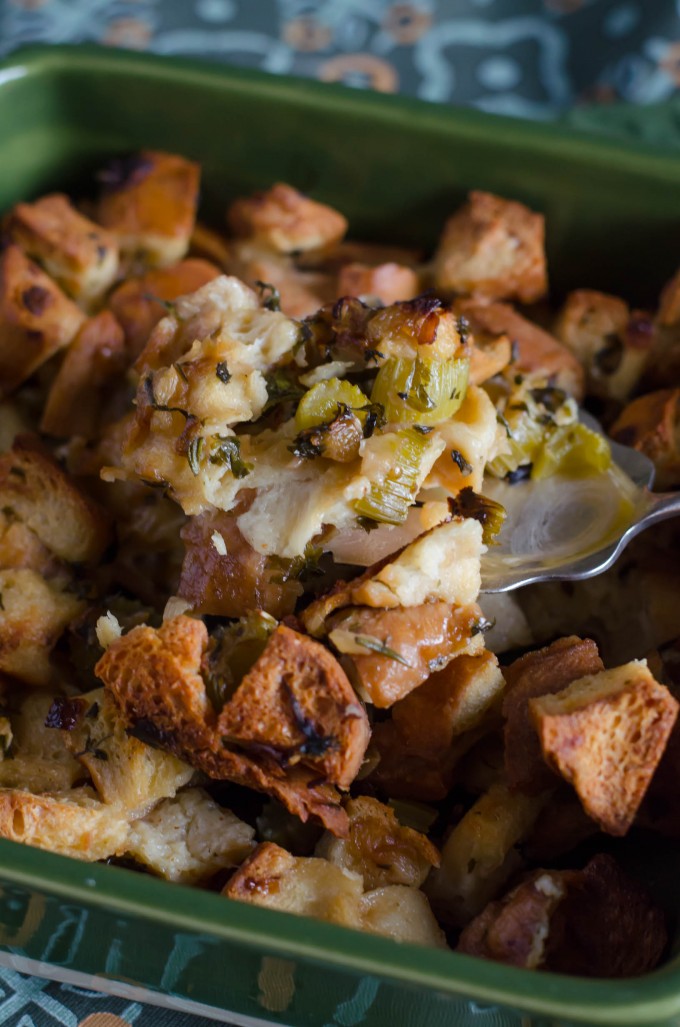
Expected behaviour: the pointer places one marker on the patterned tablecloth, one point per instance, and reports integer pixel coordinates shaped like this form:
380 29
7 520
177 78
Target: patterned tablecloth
532 58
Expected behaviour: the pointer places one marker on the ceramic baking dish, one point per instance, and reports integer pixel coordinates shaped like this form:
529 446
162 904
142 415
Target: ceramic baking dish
396 167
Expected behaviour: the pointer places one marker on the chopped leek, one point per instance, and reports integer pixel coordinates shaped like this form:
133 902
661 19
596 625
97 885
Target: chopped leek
232 651
574 451
421 391
488 512
389 500
319 405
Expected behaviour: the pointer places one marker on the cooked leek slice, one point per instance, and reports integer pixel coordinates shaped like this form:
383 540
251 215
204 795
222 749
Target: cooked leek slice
388 501
421 391
525 440
573 451
320 404
488 512
232 651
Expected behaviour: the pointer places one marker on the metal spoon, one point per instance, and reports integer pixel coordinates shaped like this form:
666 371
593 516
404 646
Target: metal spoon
551 533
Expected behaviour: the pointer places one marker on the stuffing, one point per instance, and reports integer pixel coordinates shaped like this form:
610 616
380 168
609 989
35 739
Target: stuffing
600 331
33 615
148 201
481 853
401 913
189 838
299 293
21 547
379 848
596 922
36 318
492 248
388 653
489 355
125 772
388 283
42 496
540 672
140 303
71 823
90 373
37 759
536 350
561 825
605 734
154 679
470 442
651 424
81 256
286 221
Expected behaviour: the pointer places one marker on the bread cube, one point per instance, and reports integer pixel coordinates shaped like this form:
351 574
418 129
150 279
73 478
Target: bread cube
33 615
286 221
651 424
70 823
389 283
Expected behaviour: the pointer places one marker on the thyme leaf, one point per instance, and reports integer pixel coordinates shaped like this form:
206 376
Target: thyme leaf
376 646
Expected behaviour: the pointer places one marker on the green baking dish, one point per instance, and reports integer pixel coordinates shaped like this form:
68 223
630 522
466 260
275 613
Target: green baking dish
396 168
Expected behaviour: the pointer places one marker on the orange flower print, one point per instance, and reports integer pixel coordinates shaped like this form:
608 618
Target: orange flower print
103 1020
128 32
307 35
361 69
406 23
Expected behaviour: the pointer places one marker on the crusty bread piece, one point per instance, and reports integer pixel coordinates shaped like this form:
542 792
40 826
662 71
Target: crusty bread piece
37 491
285 220
301 293
136 304
93 365
480 854
80 255
33 615
379 848
297 700
189 838
595 327
536 350
71 823
401 913
493 248
596 922
419 640
38 760
651 423
21 547
539 672
125 772
36 318
307 885
605 734
154 679
149 202
389 282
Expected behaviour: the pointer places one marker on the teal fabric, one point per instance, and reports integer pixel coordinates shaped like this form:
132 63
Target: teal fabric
531 58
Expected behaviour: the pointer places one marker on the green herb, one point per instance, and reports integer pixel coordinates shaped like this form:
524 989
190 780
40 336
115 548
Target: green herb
273 301
375 417
222 372
367 523
316 744
299 568
373 354
170 307
153 402
551 398
308 444
181 372
424 429
280 389
504 421
482 625
228 451
194 454
488 512
463 466
376 646
463 329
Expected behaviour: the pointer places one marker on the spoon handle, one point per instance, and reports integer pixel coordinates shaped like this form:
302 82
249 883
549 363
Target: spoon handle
662 505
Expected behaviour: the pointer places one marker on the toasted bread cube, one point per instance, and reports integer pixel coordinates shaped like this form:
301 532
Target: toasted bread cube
605 734
286 221
540 672
480 854
600 330
493 248
70 823
80 255
125 772
34 613
37 491
189 838
296 699
36 318
149 202
95 360
401 913
651 424
140 303
379 848
537 352
389 283
388 653
38 760
304 885
21 547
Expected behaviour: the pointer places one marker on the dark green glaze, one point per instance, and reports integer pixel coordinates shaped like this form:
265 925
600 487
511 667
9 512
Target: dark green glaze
397 168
